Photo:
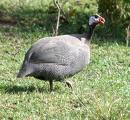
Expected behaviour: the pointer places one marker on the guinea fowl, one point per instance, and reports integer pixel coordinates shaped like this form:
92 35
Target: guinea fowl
55 58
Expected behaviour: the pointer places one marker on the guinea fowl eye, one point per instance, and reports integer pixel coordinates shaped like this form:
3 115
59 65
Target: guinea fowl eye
96 16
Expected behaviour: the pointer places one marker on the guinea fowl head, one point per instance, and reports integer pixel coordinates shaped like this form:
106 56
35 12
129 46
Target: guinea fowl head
93 21
96 19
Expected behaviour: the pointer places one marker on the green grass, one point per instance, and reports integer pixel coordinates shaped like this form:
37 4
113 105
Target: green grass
101 90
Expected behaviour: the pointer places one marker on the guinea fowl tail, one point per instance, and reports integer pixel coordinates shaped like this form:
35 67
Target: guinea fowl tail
20 74
24 71
25 68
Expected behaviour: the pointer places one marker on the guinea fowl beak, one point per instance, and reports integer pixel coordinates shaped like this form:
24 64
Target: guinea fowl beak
101 20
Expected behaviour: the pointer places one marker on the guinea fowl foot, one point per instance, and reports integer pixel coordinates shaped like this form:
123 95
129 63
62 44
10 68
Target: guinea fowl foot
69 84
51 85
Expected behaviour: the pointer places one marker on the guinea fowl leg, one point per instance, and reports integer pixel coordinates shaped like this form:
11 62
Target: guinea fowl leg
51 85
69 84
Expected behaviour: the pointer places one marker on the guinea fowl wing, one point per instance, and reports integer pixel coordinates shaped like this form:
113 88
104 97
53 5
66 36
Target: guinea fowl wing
59 53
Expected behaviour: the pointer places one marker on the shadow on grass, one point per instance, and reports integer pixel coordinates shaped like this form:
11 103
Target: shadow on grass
15 89
20 89
30 20
27 22
23 22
